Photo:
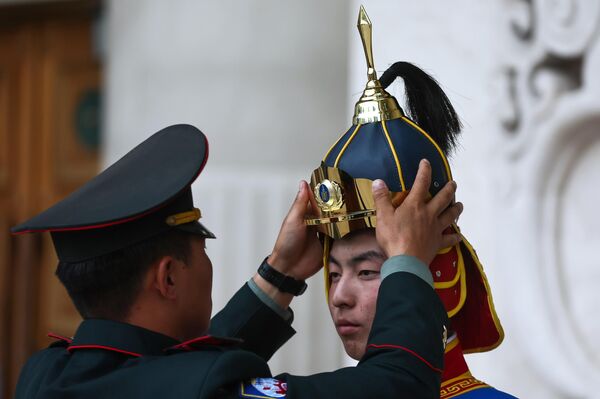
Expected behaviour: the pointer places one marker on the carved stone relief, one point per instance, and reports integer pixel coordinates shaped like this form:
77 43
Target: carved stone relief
550 157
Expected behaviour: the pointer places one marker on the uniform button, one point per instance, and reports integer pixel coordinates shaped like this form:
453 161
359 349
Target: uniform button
438 273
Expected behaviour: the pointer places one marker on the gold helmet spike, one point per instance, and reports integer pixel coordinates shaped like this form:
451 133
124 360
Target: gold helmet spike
365 28
375 104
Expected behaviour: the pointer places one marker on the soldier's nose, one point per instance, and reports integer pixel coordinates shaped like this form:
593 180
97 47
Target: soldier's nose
343 294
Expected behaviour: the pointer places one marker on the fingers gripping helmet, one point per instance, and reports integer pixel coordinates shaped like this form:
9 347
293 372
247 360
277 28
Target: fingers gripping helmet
385 143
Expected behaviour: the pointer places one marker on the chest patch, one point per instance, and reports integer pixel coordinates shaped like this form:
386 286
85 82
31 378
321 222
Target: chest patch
263 388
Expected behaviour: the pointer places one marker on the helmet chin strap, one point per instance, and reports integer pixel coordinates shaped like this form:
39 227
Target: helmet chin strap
326 249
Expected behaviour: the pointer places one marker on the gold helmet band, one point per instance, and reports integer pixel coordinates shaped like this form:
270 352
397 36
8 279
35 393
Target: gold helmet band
343 204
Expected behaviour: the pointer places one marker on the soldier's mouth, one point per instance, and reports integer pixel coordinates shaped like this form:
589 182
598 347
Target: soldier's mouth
347 328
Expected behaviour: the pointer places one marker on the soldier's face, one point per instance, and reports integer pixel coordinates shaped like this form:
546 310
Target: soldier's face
354 265
196 299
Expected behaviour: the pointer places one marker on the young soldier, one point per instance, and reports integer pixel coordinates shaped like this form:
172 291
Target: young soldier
131 255
384 144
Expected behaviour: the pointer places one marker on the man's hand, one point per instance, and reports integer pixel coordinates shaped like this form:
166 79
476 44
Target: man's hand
297 251
416 227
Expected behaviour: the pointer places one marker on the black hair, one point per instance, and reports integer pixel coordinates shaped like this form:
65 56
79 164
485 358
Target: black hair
427 104
106 286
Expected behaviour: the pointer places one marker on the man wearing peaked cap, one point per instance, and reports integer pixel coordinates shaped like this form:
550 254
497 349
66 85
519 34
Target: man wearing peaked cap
383 143
131 256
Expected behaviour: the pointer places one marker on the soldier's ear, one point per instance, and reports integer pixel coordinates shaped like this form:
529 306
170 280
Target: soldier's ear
164 277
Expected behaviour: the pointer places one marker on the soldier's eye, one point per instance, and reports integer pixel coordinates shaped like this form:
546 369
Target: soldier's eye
368 274
334 277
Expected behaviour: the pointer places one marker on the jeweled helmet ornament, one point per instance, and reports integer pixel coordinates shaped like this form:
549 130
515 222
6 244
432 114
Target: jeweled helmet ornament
386 143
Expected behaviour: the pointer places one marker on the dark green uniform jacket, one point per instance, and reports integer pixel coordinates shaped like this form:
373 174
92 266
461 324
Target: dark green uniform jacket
108 359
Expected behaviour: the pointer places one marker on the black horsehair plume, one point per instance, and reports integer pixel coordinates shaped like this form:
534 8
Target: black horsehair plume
427 104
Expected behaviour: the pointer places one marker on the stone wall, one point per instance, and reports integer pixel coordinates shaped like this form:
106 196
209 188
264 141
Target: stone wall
522 75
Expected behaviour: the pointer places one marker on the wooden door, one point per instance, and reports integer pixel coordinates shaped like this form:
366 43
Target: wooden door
49 117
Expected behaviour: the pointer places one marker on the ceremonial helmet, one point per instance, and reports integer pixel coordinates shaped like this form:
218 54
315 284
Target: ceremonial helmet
385 143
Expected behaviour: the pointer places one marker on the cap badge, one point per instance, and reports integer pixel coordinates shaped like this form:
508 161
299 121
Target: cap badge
184 217
328 195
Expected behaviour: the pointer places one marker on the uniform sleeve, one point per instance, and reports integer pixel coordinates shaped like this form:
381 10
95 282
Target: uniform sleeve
285 314
405 263
247 317
404 357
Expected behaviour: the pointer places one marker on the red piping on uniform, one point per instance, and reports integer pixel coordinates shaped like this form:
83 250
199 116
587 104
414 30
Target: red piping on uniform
108 348
205 339
55 336
129 219
97 226
407 350
186 345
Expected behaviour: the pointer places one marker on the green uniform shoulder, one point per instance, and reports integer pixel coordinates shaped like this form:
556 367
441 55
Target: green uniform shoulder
199 372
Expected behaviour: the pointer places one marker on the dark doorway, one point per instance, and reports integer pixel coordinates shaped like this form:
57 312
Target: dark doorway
50 80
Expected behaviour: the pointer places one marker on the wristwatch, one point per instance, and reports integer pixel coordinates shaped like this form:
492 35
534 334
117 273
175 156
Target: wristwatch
281 281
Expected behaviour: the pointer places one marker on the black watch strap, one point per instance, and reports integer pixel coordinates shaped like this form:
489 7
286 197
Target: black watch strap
281 281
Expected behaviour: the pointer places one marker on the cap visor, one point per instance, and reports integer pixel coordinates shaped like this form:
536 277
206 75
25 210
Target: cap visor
196 228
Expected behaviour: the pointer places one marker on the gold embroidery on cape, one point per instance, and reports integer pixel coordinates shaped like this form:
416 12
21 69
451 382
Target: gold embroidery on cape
462 385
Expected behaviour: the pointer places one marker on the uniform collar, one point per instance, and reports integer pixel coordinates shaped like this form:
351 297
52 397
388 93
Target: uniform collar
454 361
456 378
120 337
